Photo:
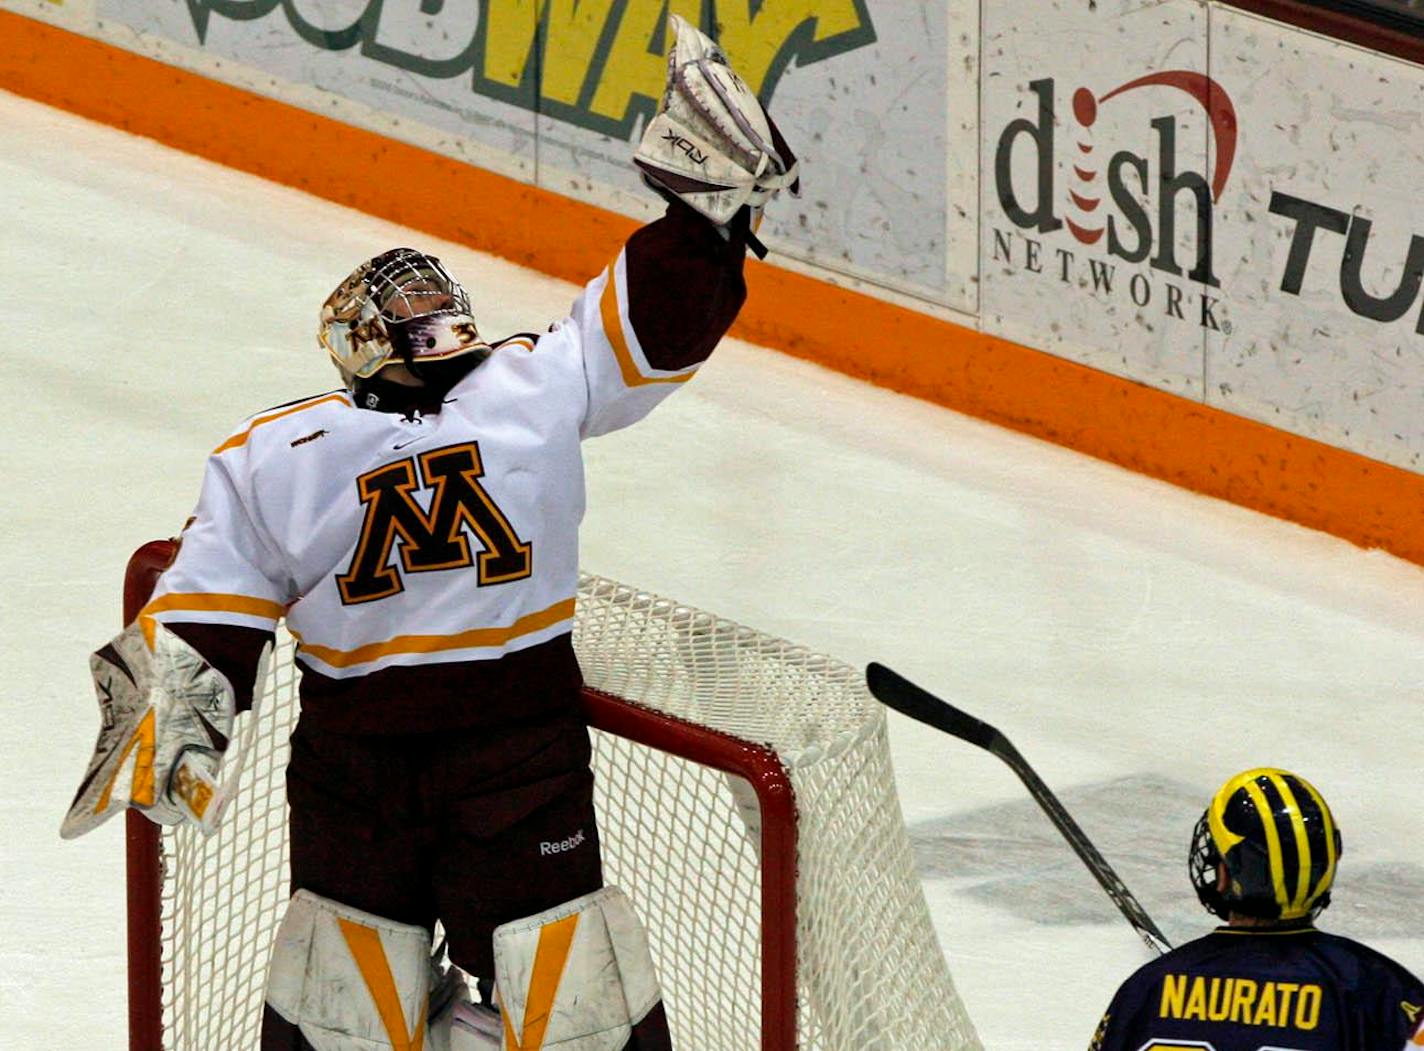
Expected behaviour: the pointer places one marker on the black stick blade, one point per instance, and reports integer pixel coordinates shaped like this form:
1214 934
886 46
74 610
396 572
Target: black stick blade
895 691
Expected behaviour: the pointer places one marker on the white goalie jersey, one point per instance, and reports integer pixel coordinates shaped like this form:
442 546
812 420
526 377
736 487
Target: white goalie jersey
394 544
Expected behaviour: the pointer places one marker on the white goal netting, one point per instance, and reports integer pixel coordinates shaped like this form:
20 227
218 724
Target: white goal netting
681 837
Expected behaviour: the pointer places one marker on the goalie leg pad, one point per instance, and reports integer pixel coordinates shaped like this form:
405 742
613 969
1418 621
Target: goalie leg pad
349 980
577 977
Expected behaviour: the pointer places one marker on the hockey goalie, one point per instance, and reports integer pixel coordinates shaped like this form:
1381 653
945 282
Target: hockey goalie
417 529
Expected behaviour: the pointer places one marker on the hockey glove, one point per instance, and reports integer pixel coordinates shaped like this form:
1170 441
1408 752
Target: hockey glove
166 717
712 145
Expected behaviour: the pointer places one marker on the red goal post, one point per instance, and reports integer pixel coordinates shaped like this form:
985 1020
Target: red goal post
687 710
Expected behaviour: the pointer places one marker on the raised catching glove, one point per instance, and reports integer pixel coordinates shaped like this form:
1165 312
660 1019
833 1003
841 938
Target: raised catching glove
166 720
712 145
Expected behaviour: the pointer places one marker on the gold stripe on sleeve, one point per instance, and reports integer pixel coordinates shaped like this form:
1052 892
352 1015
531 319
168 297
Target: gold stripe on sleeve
613 329
241 437
197 602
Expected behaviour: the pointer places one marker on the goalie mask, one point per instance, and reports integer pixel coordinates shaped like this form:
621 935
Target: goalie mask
1277 840
400 307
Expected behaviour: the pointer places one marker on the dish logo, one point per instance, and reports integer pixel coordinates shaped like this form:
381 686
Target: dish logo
1123 204
597 65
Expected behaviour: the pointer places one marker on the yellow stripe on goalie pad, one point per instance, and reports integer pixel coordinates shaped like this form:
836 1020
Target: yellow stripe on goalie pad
577 977
549 960
370 957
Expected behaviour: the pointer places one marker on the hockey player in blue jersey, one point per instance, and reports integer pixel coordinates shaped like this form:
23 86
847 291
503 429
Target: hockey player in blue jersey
1263 858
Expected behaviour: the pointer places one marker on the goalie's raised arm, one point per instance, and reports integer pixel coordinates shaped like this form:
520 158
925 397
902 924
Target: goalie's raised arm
713 145
653 317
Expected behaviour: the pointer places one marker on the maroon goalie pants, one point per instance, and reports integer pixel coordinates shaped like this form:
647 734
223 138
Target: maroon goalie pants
474 827
471 827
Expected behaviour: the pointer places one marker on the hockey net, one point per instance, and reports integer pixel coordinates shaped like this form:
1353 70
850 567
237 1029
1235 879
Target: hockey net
746 804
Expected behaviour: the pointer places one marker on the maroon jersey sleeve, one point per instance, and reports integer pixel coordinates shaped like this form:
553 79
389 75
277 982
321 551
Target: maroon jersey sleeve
685 285
230 649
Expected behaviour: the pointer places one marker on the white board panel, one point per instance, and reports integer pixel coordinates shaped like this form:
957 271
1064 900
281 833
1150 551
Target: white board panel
1098 125
1322 243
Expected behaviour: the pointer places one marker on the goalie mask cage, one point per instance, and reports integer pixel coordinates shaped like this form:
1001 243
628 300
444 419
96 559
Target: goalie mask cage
745 802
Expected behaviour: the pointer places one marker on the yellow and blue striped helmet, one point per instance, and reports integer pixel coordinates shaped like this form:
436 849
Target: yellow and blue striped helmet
1278 842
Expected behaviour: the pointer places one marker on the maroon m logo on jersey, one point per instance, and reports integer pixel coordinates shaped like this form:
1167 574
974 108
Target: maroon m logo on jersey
435 540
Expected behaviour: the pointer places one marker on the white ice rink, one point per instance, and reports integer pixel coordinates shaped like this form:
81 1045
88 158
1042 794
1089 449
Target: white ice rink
1137 642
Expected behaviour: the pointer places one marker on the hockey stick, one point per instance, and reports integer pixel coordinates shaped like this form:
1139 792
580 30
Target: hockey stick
895 691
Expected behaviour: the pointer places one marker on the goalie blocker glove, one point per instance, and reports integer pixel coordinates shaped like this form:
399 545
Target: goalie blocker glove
712 145
166 717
